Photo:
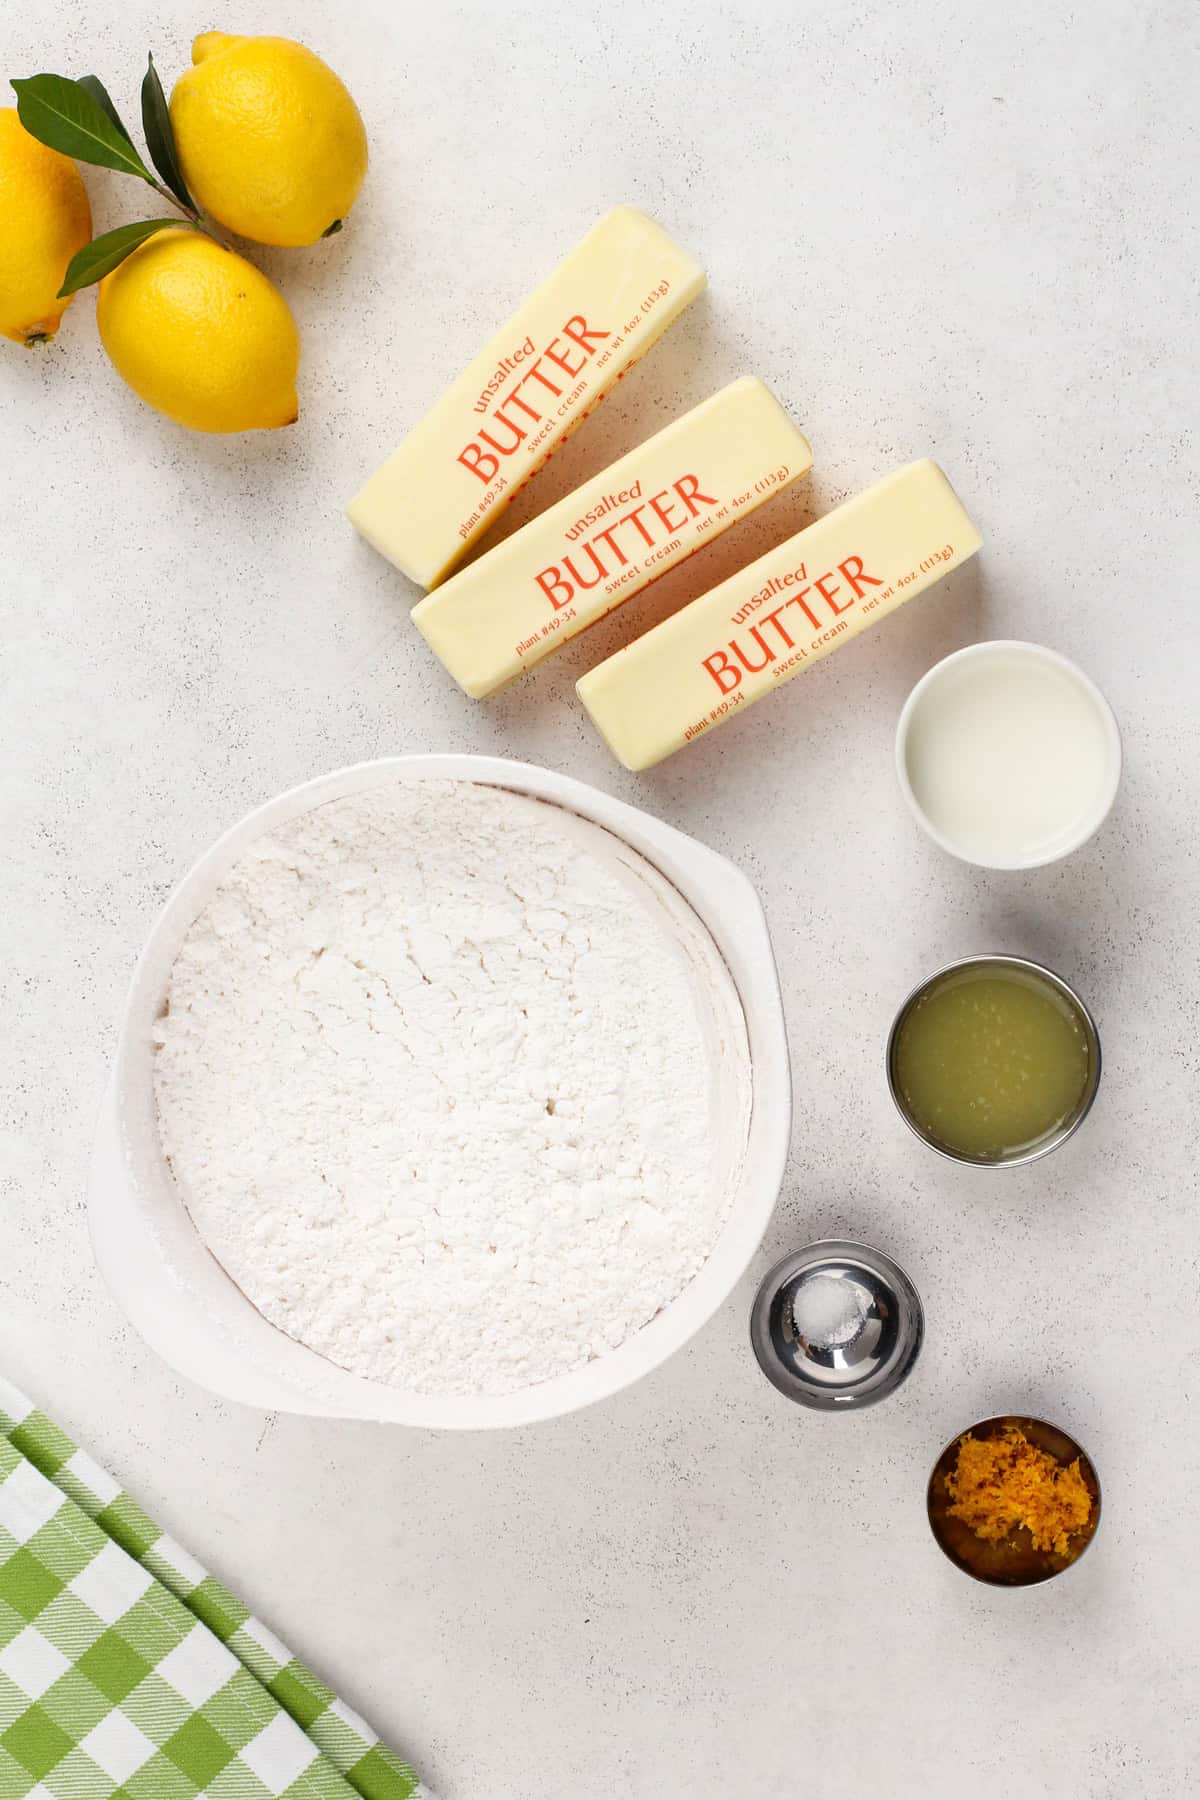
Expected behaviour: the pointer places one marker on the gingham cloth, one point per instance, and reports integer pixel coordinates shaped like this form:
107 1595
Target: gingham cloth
128 1673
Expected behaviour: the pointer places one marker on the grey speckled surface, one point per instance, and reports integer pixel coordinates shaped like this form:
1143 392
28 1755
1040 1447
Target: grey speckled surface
933 228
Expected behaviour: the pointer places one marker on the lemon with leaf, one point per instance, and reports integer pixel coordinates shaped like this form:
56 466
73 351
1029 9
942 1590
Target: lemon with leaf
201 334
44 219
270 142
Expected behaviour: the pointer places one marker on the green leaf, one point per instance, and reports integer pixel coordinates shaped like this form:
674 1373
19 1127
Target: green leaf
66 116
104 253
160 139
96 88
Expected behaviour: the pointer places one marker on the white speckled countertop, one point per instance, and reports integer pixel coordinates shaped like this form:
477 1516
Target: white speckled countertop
941 229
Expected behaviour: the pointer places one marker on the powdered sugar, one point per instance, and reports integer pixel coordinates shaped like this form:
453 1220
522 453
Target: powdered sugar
453 1086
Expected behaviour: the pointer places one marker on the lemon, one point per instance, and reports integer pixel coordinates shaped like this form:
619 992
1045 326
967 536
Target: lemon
44 219
270 142
201 334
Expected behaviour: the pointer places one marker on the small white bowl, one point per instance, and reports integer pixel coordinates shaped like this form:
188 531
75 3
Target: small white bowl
194 1315
1090 814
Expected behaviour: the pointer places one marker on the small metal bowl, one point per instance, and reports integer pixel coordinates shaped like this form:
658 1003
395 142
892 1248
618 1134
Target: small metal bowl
1009 1562
836 1325
1069 1126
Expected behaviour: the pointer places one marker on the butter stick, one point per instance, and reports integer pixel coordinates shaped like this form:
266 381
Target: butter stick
612 537
509 410
779 616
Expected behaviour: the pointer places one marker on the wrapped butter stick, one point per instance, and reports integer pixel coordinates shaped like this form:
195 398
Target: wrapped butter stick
456 471
779 616
613 536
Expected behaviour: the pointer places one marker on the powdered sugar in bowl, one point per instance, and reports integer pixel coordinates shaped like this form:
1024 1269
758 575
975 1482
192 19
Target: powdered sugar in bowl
450 1222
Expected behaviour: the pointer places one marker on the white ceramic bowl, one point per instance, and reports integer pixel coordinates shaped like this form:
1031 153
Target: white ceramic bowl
998 650
188 1309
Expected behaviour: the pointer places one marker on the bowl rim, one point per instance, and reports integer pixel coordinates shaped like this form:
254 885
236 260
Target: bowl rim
1015 1418
1095 1061
125 1234
1108 720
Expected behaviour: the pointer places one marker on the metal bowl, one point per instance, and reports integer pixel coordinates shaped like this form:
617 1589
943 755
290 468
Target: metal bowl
1009 1562
836 1325
1069 1126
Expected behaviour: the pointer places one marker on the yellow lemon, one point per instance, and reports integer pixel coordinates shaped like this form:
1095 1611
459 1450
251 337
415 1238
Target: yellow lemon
270 142
44 219
201 334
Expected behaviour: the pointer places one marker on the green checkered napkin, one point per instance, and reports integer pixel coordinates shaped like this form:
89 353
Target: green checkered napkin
128 1673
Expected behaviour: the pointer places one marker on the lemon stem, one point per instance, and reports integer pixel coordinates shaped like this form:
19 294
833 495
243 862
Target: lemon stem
197 220
172 200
